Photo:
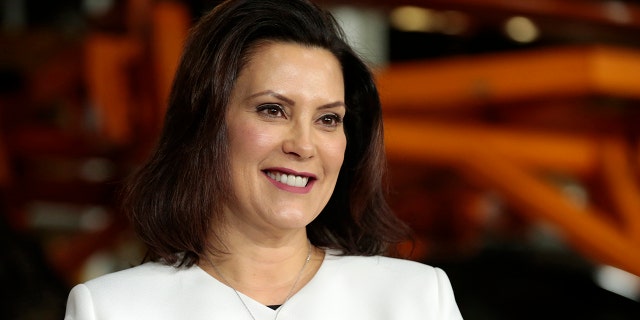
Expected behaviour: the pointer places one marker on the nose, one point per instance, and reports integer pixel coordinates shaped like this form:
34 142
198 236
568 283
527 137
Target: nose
299 142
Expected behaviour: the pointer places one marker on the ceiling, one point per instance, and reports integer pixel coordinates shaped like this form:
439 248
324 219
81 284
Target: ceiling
559 22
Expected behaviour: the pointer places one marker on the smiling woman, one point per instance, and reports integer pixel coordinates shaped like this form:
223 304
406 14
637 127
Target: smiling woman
264 198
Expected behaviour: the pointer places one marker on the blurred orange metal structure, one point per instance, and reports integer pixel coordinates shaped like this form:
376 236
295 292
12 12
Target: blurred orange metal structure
128 78
515 160
152 48
119 83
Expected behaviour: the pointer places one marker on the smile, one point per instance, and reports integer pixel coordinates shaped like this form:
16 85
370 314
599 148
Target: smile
289 179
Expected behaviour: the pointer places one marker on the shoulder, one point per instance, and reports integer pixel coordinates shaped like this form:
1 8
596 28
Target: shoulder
384 266
395 284
124 292
381 272
146 273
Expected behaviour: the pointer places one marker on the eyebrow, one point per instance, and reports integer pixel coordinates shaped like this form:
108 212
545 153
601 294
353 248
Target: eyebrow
291 102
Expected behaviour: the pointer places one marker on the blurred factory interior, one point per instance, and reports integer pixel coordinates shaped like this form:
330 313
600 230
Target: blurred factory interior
512 129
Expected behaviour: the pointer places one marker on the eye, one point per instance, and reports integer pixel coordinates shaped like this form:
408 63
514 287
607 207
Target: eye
330 120
271 110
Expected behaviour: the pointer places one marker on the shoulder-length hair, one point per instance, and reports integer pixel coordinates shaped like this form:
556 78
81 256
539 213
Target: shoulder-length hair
174 201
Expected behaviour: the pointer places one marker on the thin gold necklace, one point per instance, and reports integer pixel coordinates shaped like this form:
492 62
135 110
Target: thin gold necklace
289 295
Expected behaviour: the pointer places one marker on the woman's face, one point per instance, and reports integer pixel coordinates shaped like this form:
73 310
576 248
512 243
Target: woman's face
287 140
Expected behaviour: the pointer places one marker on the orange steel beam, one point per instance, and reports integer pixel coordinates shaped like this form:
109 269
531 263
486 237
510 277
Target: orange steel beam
625 192
463 82
432 141
170 23
107 60
585 228
509 160
110 59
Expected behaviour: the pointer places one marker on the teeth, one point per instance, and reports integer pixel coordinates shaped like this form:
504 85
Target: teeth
290 180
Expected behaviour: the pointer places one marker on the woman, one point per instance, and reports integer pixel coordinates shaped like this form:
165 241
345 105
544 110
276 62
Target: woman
264 198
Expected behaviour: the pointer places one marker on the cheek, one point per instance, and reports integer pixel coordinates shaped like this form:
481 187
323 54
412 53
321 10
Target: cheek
335 150
250 140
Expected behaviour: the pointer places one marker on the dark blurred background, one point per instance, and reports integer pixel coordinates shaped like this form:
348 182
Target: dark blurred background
511 127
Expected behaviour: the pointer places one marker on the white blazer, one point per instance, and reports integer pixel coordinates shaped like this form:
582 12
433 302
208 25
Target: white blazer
344 288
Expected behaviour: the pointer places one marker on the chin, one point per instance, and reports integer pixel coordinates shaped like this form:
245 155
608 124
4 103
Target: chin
294 219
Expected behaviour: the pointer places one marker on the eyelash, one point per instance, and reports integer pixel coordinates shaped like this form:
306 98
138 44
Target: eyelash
268 109
335 118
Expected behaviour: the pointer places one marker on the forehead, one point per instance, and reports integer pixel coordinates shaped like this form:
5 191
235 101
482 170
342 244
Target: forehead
269 54
291 66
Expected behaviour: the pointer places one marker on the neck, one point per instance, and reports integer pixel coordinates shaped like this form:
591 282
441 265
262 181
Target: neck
267 274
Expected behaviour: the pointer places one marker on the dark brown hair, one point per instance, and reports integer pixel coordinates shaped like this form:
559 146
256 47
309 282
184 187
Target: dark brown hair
174 201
